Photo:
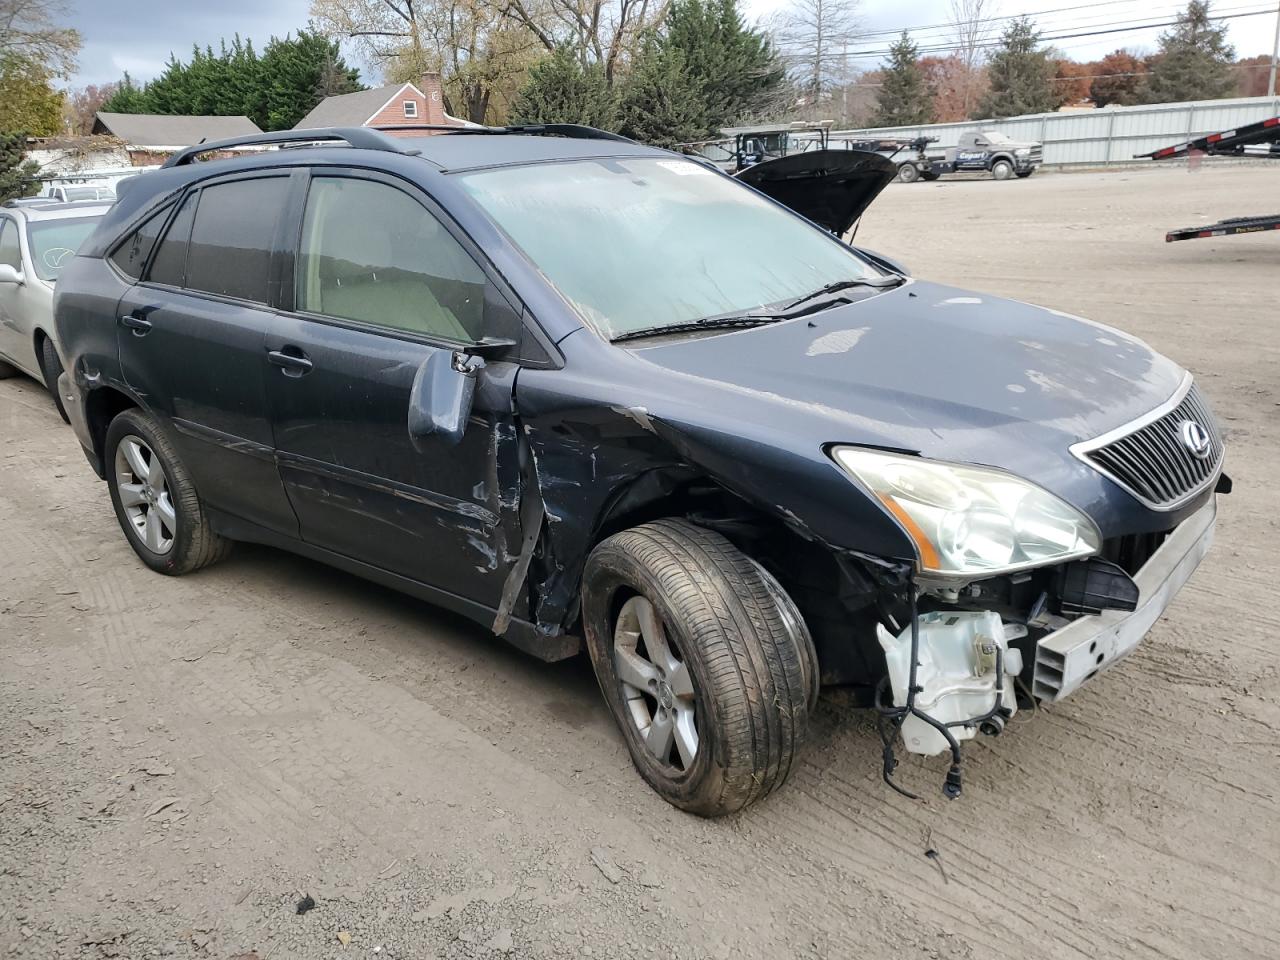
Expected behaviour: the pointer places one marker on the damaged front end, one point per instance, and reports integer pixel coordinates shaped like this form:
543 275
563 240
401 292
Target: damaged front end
969 655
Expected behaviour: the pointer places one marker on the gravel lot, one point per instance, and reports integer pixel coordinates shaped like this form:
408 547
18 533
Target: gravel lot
181 760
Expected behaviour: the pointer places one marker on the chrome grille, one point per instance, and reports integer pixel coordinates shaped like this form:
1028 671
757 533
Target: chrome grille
1154 462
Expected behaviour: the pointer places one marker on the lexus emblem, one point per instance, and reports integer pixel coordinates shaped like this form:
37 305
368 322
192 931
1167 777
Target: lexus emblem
1196 439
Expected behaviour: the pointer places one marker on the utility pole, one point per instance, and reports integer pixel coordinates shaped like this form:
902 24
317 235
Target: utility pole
1275 56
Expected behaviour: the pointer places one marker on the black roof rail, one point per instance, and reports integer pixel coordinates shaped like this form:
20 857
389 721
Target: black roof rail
363 138
573 131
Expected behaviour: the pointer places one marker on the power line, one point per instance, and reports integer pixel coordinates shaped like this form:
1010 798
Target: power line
1103 30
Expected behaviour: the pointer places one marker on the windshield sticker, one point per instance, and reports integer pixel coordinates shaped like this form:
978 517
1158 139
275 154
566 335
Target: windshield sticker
685 168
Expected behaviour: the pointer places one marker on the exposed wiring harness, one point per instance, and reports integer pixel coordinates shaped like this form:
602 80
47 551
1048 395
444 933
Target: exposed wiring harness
890 718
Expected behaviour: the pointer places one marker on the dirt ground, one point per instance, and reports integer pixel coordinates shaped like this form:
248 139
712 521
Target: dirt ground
181 760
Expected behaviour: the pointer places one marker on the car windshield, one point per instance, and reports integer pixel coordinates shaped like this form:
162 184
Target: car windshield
54 242
996 138
639 243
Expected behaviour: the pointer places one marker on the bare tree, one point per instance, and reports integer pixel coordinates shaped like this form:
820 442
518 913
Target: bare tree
813 38
31 30
471 43
598 31
972 28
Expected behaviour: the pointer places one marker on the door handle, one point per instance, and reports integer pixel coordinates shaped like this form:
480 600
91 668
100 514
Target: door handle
291 361
139 325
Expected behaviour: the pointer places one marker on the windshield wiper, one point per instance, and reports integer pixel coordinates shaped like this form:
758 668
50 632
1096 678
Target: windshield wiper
880 283
706 323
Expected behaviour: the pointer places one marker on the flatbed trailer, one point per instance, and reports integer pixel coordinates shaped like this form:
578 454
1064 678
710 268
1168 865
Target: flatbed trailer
1227 143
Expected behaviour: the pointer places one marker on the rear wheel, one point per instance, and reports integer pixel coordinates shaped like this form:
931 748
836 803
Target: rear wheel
704 661
154 499
908 172
51 367
1002 170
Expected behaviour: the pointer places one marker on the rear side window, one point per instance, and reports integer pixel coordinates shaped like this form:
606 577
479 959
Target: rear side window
231 241
170 263
131 256
10 252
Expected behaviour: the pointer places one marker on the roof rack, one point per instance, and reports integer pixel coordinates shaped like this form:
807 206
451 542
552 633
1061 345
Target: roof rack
376 137
364 138
573 131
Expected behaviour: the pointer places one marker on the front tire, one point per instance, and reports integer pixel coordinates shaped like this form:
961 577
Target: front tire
704 661
154 499
1002 170
51 367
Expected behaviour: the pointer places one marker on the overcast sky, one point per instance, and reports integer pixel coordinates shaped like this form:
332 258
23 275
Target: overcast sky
138 35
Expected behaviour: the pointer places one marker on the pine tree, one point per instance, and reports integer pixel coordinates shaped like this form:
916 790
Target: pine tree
17 178
296 74
127 98
561 90
1194 60
735 67
904 99
662 104
1020 73
275 90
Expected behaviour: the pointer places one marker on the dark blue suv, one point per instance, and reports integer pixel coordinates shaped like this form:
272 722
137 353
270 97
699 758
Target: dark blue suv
588 392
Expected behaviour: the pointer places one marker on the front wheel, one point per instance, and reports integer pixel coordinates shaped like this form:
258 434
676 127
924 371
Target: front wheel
704 661
1002 170
154 499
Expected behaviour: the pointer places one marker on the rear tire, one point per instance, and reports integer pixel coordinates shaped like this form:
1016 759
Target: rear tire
714 646
156 503
908 173
51 367
1002 170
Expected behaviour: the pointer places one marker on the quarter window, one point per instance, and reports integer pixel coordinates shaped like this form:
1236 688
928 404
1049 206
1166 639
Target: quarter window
10 252
231 240
373 254
131 256
170 263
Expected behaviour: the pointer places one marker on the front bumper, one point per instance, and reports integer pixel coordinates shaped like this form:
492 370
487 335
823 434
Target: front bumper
1070 657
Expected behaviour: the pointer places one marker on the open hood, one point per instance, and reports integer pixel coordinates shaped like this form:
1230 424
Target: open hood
830 187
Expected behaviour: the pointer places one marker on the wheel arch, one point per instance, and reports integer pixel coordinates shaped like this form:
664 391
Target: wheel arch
101 406
831 591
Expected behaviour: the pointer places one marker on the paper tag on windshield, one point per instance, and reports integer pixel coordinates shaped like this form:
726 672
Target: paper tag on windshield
684 168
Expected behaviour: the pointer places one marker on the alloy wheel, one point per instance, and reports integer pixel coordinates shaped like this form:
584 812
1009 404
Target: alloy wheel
144 494
657 686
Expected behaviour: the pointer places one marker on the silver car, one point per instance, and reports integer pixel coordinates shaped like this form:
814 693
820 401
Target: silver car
36 241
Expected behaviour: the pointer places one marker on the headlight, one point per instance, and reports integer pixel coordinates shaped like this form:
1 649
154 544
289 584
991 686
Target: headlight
972 521
1023 152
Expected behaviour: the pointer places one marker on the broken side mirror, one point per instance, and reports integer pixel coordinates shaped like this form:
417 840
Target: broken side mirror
444 388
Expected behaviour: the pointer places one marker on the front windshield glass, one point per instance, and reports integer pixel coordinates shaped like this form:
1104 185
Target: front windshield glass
54 242
645 242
